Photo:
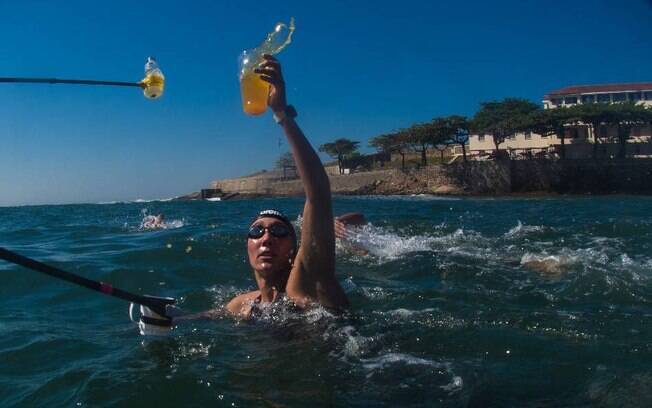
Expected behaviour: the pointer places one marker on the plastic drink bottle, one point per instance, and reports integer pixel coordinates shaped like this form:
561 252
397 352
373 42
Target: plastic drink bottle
255 91
154 81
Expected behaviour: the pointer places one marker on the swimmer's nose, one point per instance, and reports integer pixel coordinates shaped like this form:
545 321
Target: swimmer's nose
267 236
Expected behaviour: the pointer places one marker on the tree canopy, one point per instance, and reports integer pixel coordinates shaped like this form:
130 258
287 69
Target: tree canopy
503 119
340 149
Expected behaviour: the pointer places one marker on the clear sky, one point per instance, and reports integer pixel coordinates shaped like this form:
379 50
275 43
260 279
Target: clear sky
355 69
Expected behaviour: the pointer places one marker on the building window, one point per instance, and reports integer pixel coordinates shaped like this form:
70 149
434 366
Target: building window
604 98
572 133
556 101
570 100
603 132
588 98
636 131
634 96
480 138
528 135
647 95
619 97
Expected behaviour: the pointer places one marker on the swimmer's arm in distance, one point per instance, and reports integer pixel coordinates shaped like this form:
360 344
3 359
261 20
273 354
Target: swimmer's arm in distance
342 231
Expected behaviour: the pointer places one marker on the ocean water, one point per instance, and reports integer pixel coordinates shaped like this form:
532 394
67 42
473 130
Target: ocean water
459 302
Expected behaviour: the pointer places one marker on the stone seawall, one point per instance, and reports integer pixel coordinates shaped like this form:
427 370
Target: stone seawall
628 176
632 176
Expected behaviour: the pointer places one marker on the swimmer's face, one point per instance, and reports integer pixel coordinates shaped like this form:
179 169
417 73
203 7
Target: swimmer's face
270 254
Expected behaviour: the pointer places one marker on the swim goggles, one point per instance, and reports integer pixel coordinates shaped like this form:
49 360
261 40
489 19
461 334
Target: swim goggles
277 230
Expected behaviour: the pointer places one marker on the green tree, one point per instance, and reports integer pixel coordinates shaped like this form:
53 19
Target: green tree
339 149
415 138
385 144
401 145
547 122
595 114
503 119
628 115
457 129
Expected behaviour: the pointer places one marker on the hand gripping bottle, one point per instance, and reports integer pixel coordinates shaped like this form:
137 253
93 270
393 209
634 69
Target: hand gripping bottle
154 81
254 90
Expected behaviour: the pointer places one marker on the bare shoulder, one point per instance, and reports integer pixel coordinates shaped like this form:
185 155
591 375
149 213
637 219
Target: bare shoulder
241 304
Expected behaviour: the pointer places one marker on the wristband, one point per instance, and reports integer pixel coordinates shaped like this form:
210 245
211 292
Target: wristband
289 112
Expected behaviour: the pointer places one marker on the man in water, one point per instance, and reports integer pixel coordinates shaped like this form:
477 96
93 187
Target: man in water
305 275
153 222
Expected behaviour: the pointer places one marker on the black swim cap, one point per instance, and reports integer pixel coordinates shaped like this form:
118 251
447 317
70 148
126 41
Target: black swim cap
272 213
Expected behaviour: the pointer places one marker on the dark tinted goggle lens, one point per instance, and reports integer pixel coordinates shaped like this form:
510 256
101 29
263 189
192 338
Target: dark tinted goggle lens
277 230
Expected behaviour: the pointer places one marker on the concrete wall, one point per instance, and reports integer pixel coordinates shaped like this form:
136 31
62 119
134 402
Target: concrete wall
476 177
631 176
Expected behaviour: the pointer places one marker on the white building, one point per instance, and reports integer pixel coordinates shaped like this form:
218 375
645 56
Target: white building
579 140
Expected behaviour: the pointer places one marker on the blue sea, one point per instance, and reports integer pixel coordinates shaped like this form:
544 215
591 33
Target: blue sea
540 302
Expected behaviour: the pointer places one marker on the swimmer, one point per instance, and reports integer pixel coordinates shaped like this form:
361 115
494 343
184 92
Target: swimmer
305 275
153 222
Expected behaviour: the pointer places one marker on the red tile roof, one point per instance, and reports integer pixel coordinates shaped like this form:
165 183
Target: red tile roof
581 89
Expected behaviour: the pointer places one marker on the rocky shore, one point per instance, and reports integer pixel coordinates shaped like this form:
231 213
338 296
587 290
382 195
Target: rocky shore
629 176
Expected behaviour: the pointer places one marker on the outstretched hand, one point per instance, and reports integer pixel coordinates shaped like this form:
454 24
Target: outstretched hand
342 222
270 71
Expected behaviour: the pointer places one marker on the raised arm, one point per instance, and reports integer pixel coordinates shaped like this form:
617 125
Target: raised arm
312 278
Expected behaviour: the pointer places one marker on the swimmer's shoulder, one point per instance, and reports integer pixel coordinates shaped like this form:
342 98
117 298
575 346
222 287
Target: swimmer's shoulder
240 306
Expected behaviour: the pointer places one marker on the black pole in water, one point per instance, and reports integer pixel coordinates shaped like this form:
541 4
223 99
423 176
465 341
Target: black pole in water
157 304
68 81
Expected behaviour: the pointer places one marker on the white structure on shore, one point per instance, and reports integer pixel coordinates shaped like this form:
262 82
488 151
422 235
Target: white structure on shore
579 140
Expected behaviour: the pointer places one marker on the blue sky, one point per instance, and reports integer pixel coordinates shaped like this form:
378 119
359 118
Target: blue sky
354 69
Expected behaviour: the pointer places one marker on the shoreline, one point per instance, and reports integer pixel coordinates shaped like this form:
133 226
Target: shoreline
471 179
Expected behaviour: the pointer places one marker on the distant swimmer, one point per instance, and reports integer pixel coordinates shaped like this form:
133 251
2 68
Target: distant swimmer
153 222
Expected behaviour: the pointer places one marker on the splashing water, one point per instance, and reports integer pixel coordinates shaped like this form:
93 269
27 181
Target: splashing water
465 302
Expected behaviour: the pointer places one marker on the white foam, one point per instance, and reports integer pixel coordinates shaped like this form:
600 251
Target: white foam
403 313
520 230
385 245
381 362
455 385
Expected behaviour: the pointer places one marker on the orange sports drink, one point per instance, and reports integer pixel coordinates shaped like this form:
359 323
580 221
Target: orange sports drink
255 91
